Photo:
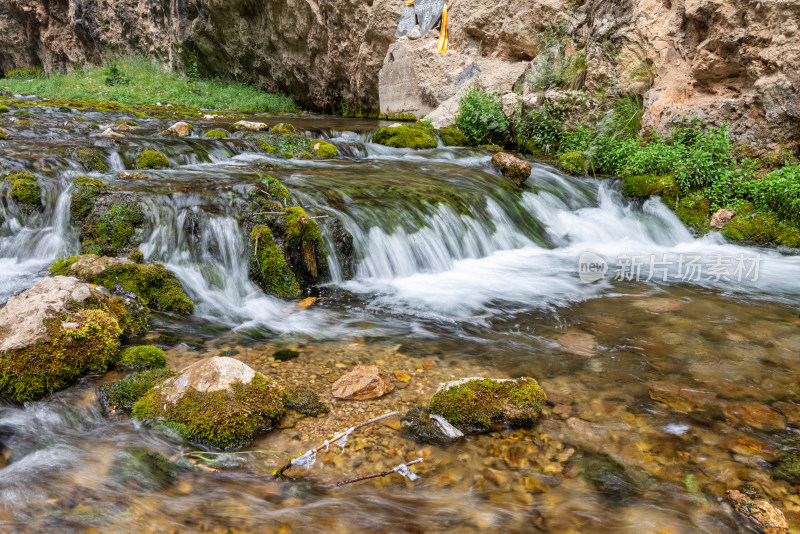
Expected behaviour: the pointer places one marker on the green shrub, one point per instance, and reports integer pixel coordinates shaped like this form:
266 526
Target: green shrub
481 119
541 126
779 191
652 158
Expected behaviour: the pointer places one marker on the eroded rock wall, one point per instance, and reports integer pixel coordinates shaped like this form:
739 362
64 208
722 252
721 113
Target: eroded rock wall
725 60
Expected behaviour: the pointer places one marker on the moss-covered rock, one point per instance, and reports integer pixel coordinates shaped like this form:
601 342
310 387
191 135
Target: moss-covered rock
693 211
4 136
788 467
24 189
4 108
646 185
515 169
283 127
452 136
573 163
304 401
475 404
113 226
121 395
288 145
141 469
151 159
84 192
136 256
758 227
141 357
217 402
269 268
324 150
417 136
91 158
216 134
420 426
70 328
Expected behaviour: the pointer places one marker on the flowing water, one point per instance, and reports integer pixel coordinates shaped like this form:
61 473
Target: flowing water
670 379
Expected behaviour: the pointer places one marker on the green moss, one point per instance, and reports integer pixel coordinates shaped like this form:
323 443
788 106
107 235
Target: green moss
144 470
62 267
37 370
417 136
284 355
299 228
645 185
4 108
92 159
306 155
136 256
788 467
304 401
227 419
477 404
761 227
26 192
269 268
141 357
123 394
84 192
283 127
114 229
287 155
492 148
693 211
216 134
573 163
4 136
155 286
452 136
24 113
323 150
27 123
289 144
151 159
419 426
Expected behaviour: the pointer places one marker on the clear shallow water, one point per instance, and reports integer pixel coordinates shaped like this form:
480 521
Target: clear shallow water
487 280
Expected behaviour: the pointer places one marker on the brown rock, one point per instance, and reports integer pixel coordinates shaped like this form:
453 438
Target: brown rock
722 217
760 515
212 374
578 343
179 129
132 176
682 399
362 383
247 125
756 415
790 410
749 446
512 167
109 132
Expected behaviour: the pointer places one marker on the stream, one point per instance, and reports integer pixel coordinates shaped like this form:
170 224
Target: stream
652 371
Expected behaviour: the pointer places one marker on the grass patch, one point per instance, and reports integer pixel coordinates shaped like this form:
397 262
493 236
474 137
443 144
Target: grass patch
138 80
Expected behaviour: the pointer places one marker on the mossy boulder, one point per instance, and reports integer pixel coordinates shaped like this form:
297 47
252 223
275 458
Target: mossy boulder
283 127
114 224
476 404
645 185
216 134
324 150
84 192
121 395
218 402
268 268
4 108
24 189
693 210
136 256
273 191
573 163
289 145
141 357
760 227
154 285
452 136
4 136
417 136
304 401
53 333
788 467
151 159
91 158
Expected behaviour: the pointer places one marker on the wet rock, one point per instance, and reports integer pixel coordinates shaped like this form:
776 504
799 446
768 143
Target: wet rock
755 414
25 190
304 401
141 357
416 136
512 167
422 426
760 515
606 474
681 398
284 355
121 395
143 469
476 404
179 129
721 217
790 410
53 333
578 343
362 383
788 467
251 126
750 446
109 132
218 401
122 175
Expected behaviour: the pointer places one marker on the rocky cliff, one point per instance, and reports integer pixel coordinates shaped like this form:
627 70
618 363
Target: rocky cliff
725 60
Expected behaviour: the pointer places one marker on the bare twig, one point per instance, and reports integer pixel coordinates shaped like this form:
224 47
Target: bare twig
270 213
310 218
337 438
367 477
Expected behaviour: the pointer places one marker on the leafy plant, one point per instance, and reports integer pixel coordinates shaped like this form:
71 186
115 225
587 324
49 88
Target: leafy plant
481 118
541 126
115 74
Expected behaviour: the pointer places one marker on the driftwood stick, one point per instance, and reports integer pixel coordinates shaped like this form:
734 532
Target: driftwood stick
338 437
366 477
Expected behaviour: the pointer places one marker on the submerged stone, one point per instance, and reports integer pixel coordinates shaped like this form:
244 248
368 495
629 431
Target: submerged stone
362 383
788 467
513 168
304 401
218 401
55 332
475 404
142 469
606 474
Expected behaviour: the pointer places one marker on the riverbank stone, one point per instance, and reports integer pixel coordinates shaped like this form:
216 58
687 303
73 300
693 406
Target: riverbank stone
53 333
476 404
513 168
219 401
362 383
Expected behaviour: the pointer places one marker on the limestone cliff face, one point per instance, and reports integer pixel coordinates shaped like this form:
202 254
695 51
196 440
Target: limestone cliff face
736 61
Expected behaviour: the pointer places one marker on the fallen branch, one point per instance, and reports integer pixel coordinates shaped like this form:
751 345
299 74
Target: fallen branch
309 457
402 469
311 218
269 213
